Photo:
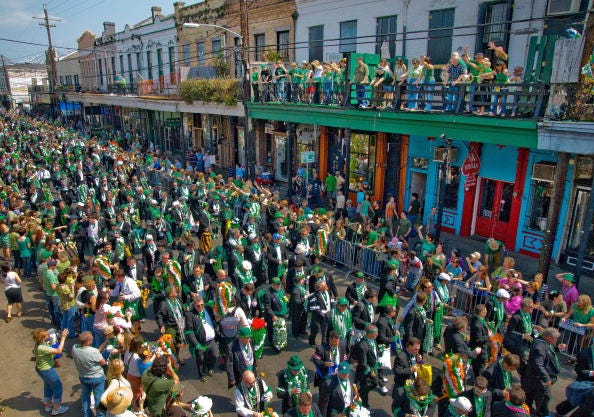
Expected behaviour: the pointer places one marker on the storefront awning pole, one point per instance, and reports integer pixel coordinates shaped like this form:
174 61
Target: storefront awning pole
585 235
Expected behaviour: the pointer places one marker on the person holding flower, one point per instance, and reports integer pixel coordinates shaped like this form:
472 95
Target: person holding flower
251 396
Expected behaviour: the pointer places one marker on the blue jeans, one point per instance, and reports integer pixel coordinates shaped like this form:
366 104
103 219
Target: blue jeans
452 97
86 322
428 93
52 386
53 306
361 90
494 101
94 386
98 337
472 93
412 97
280 90
27 266
68 321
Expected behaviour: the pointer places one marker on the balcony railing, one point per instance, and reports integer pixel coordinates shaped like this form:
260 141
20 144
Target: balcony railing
510 100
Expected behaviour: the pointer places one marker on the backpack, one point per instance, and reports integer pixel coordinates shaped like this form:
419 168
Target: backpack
229 324
576 392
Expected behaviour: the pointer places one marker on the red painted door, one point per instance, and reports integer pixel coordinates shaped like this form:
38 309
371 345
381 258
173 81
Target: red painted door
494 209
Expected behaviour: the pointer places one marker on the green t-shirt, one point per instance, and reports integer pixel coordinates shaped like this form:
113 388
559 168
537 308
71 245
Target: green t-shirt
296 75
330 183
255 76
156 390
427 248
44 357
501 78
49 277
580 317
372 237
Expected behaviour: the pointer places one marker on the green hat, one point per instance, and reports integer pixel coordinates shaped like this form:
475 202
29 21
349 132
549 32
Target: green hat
569 277
278 215
344 368
295 363
343 301
275 281
215 197
244 332
321 211
46 254
371 330
360 275
316 270
212 175
393 265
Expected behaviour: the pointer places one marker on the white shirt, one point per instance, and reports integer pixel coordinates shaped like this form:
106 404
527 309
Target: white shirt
127 289
240 405
209 332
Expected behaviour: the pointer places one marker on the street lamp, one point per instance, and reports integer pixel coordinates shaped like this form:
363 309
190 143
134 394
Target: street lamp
445 164
199 25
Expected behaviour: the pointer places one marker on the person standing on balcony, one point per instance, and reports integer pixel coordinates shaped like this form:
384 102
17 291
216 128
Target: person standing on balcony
455 71
361 80
412 77
428 79
255 78
295 86
280 78
265 78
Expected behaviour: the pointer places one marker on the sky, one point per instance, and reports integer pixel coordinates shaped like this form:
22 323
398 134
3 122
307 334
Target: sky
17 23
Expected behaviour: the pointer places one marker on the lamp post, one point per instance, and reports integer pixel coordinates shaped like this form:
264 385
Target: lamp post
442 184
245 85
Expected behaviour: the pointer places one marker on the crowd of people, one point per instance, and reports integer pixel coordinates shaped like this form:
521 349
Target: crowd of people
409 86
119 237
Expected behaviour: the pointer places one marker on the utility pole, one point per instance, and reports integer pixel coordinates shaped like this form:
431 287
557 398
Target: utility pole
248 131
8 89
50 59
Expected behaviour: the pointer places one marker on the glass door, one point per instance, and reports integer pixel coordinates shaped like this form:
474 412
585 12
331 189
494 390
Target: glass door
494 209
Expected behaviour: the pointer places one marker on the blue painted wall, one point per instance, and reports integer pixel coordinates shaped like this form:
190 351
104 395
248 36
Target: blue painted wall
499 163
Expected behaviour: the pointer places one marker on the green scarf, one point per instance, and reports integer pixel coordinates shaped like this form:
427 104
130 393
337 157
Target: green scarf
341 322
507 376
526 321
418 403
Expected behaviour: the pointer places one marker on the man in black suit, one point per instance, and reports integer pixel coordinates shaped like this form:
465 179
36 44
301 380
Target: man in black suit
134 269
364 313
366 354
299 296
255 254
455 341
542 371
342 394
415 322
277 257
275 306
318 275
246 300
479 338
201 334
240 357
326 358
196 283
511 407
501 375
479 397
385 334
319 304
520 331
406 362
356 291
150 254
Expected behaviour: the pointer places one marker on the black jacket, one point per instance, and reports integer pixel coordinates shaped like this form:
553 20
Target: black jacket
470 394
479 337
494 375
367 359
235 363
361 317
150 260
454 342
314 407
413 325
249 308
402 364
541 367
329 281
195 333
282 391
336 403
139 271
499 409
351 294
322 354
385 330
272 304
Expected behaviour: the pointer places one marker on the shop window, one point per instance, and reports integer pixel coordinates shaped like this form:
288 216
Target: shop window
452 182
282 44
540 202
421 163
362 165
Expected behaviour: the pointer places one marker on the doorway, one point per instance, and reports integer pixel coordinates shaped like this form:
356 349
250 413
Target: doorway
418 184
494 210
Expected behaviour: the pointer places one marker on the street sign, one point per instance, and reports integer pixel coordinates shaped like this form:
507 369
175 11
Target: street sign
173 122
471 167
308 157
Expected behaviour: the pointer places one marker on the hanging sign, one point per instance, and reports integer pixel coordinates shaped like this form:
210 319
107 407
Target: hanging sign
471 167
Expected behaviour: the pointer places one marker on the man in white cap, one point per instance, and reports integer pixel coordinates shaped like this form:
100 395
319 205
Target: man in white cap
496 310
243 275
460 406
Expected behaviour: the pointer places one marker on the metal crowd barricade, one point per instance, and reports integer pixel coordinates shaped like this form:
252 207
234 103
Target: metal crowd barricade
341 252
576 338
370 262
465 299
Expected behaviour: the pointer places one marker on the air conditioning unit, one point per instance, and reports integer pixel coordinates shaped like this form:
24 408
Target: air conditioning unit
542 171
563 6
439 154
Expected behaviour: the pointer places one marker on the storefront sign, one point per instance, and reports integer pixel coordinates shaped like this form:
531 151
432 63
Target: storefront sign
308 157
137 115
173 122
471 167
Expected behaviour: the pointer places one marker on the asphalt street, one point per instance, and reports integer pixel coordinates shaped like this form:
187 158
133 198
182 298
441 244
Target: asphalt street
22 389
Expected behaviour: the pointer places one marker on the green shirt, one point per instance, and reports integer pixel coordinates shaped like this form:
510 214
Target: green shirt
581 317
330 183
49 278
372 237
44 357
156 390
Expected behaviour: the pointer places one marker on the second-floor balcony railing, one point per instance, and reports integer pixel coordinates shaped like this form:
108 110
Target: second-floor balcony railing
510 100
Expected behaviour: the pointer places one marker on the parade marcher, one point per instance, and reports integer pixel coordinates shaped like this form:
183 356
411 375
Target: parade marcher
251 396
305 407
276 311
320 305
298 307
521 332
458 407
501 375
355 292
200 333
416 323
292 382
542 371
243 275
170 317
246 300
413 398
344 395
240 357
389 289
197 283
151 255
318 275
366 352
479 338
407 361
495 309
326 359
363 313
480 398
455 340
341 321
126 291
513 406
277 257
385 337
